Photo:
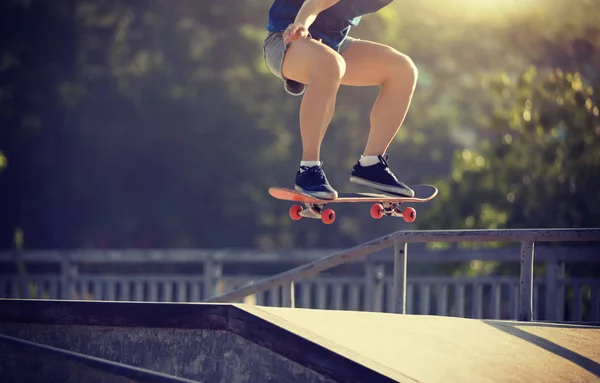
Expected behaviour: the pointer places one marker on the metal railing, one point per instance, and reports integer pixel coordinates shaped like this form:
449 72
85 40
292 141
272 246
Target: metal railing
400 240
487 285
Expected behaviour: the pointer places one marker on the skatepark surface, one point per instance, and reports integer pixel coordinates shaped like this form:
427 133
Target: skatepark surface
69 341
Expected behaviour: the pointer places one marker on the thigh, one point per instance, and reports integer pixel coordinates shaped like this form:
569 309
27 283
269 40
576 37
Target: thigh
369 63
303 57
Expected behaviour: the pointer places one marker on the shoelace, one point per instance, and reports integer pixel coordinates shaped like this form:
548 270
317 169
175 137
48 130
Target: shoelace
383 160
386 167
313 171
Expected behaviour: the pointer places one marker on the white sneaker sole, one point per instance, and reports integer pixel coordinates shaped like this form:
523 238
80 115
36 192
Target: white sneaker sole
319 195
378 186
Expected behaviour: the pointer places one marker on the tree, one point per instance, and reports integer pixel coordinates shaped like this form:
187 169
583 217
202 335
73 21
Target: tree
157 124
540 161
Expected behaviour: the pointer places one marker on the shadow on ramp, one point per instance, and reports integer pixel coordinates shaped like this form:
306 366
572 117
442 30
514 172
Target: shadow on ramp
539 335
232 343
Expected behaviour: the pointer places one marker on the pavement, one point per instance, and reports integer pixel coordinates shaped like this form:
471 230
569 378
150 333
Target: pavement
94 341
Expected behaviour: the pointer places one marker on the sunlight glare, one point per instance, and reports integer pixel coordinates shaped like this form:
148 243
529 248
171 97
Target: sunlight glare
490 8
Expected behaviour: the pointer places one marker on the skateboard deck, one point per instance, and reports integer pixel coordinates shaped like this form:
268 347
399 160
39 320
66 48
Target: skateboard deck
383 204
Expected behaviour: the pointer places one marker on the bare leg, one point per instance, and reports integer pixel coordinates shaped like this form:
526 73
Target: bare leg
313 63
368 64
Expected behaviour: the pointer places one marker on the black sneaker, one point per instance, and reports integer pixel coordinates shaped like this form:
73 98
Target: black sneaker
380 177
312 181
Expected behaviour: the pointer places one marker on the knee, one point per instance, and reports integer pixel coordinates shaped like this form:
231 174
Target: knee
404 69
330 65
411 71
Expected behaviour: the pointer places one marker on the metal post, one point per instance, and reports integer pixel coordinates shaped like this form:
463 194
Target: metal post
287 295
68 272
65 288
378 282
552 269
400 253
526 282
560 299
213 271
370 275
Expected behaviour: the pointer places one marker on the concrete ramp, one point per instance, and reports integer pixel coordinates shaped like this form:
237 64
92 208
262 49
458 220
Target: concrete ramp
128 341
447 349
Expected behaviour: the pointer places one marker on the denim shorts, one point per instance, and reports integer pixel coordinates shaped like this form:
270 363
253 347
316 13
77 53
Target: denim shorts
274 52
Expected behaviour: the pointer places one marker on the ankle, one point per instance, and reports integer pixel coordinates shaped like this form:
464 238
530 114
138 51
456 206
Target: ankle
368 160
310 163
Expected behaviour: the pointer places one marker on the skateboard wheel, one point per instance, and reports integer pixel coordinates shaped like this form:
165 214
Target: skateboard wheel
377 211
295 212
409 214
328 216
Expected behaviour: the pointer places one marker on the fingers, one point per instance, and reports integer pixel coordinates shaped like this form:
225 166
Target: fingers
294 32
290 33
297 34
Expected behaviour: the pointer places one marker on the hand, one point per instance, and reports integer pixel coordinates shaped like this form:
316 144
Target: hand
295 31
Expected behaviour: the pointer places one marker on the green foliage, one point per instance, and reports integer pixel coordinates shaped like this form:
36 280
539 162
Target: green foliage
157 124
539 164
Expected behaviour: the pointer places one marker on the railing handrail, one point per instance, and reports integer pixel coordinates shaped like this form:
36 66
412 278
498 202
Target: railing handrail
162 255
527 237
504 253
304 271
501 235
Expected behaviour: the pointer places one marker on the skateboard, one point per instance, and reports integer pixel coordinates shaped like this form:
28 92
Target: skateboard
388 205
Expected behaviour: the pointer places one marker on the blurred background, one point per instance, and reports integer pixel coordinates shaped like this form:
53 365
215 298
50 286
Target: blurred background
156 124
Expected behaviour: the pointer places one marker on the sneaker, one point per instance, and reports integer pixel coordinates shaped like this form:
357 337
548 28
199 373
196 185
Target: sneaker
380 177
312 181
294 88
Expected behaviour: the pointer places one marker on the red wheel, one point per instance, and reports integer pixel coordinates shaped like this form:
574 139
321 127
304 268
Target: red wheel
328 216
376 211
295 212
409 214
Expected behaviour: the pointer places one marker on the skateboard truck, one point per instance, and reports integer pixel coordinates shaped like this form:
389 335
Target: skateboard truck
312 210
392 209
327 216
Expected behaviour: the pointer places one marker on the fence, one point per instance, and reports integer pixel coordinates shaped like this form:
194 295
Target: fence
365 282
400 240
